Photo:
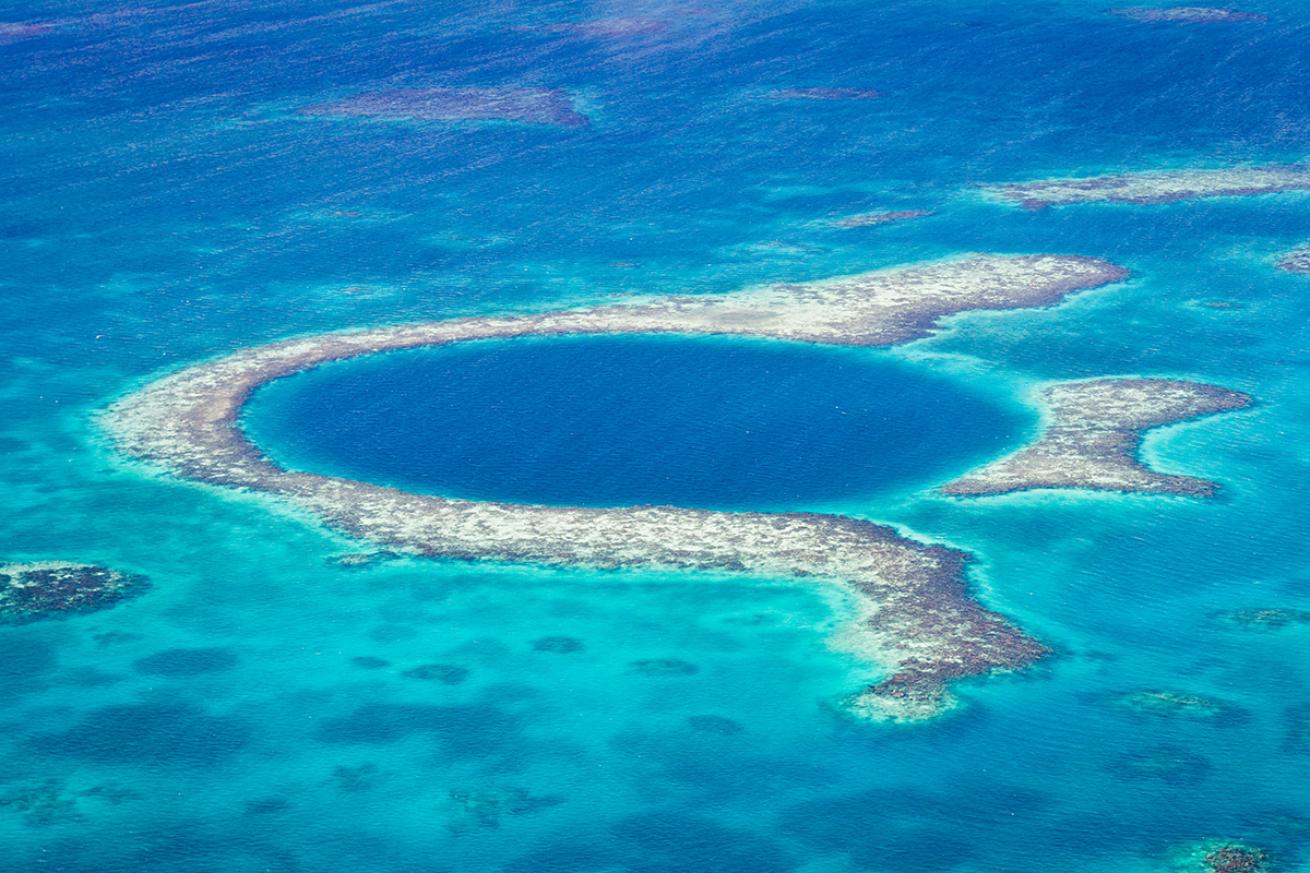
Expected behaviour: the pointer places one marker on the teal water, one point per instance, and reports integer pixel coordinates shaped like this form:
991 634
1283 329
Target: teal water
163 204
606 421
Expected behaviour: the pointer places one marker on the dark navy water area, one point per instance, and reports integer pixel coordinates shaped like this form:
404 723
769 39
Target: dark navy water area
607 421
265 706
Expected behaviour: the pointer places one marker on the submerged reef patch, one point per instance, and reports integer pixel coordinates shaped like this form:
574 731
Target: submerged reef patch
917 620
1092 432
823 94
1168 763
524 105
1271 618
446 674
51 802
715 724
1179 704
1297 261
560 645
873 219
664 667
12 31
58 589
149 734
1187 14
1162 186
1223 856
483 808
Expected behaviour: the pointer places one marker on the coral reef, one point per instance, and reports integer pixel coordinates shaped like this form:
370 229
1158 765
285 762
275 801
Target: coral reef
715 724
1223 856
823 94
559 644
1265 618
1297 261
446 674
664 667
524 105
51 802
482 808
1177 704
1168 763
57 589
872 219
916 618
1091 435
1186 14
1163 186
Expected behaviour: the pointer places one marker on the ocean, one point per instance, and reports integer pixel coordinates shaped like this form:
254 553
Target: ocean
265 707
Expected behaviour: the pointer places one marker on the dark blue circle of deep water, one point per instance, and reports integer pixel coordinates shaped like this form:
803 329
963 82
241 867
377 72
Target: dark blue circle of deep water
614 421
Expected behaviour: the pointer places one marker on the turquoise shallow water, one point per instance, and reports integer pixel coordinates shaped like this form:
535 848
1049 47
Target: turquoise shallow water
163 204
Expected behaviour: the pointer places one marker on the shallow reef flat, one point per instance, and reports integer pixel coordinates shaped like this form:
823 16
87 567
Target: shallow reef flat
57 589
1297 261
525 105
1091 435
873 219
1163 186
1187 14
1220 856
917 619
824 94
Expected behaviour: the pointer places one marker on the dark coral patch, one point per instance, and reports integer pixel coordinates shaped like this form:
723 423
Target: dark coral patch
58 589
1180 704
113 638
51 802
523 105
368 662
1265 618
42 804
482 808
361 777
446 674
560 645
461 730
1168 763
824 94
664 667
183 663
1296 740
267 806
714 724
360 560
148 734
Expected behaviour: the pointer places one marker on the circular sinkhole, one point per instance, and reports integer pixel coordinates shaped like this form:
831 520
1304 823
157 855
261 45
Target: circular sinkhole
709 422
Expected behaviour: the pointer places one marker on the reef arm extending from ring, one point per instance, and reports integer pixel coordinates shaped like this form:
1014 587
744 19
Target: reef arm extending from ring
1152 187
1092 434
918 621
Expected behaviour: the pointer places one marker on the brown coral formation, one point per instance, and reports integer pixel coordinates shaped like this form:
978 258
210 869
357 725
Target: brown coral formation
1092 432
58 589
1230 857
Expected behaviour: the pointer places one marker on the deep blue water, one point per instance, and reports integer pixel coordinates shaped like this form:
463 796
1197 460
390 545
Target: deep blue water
263 708
604 421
